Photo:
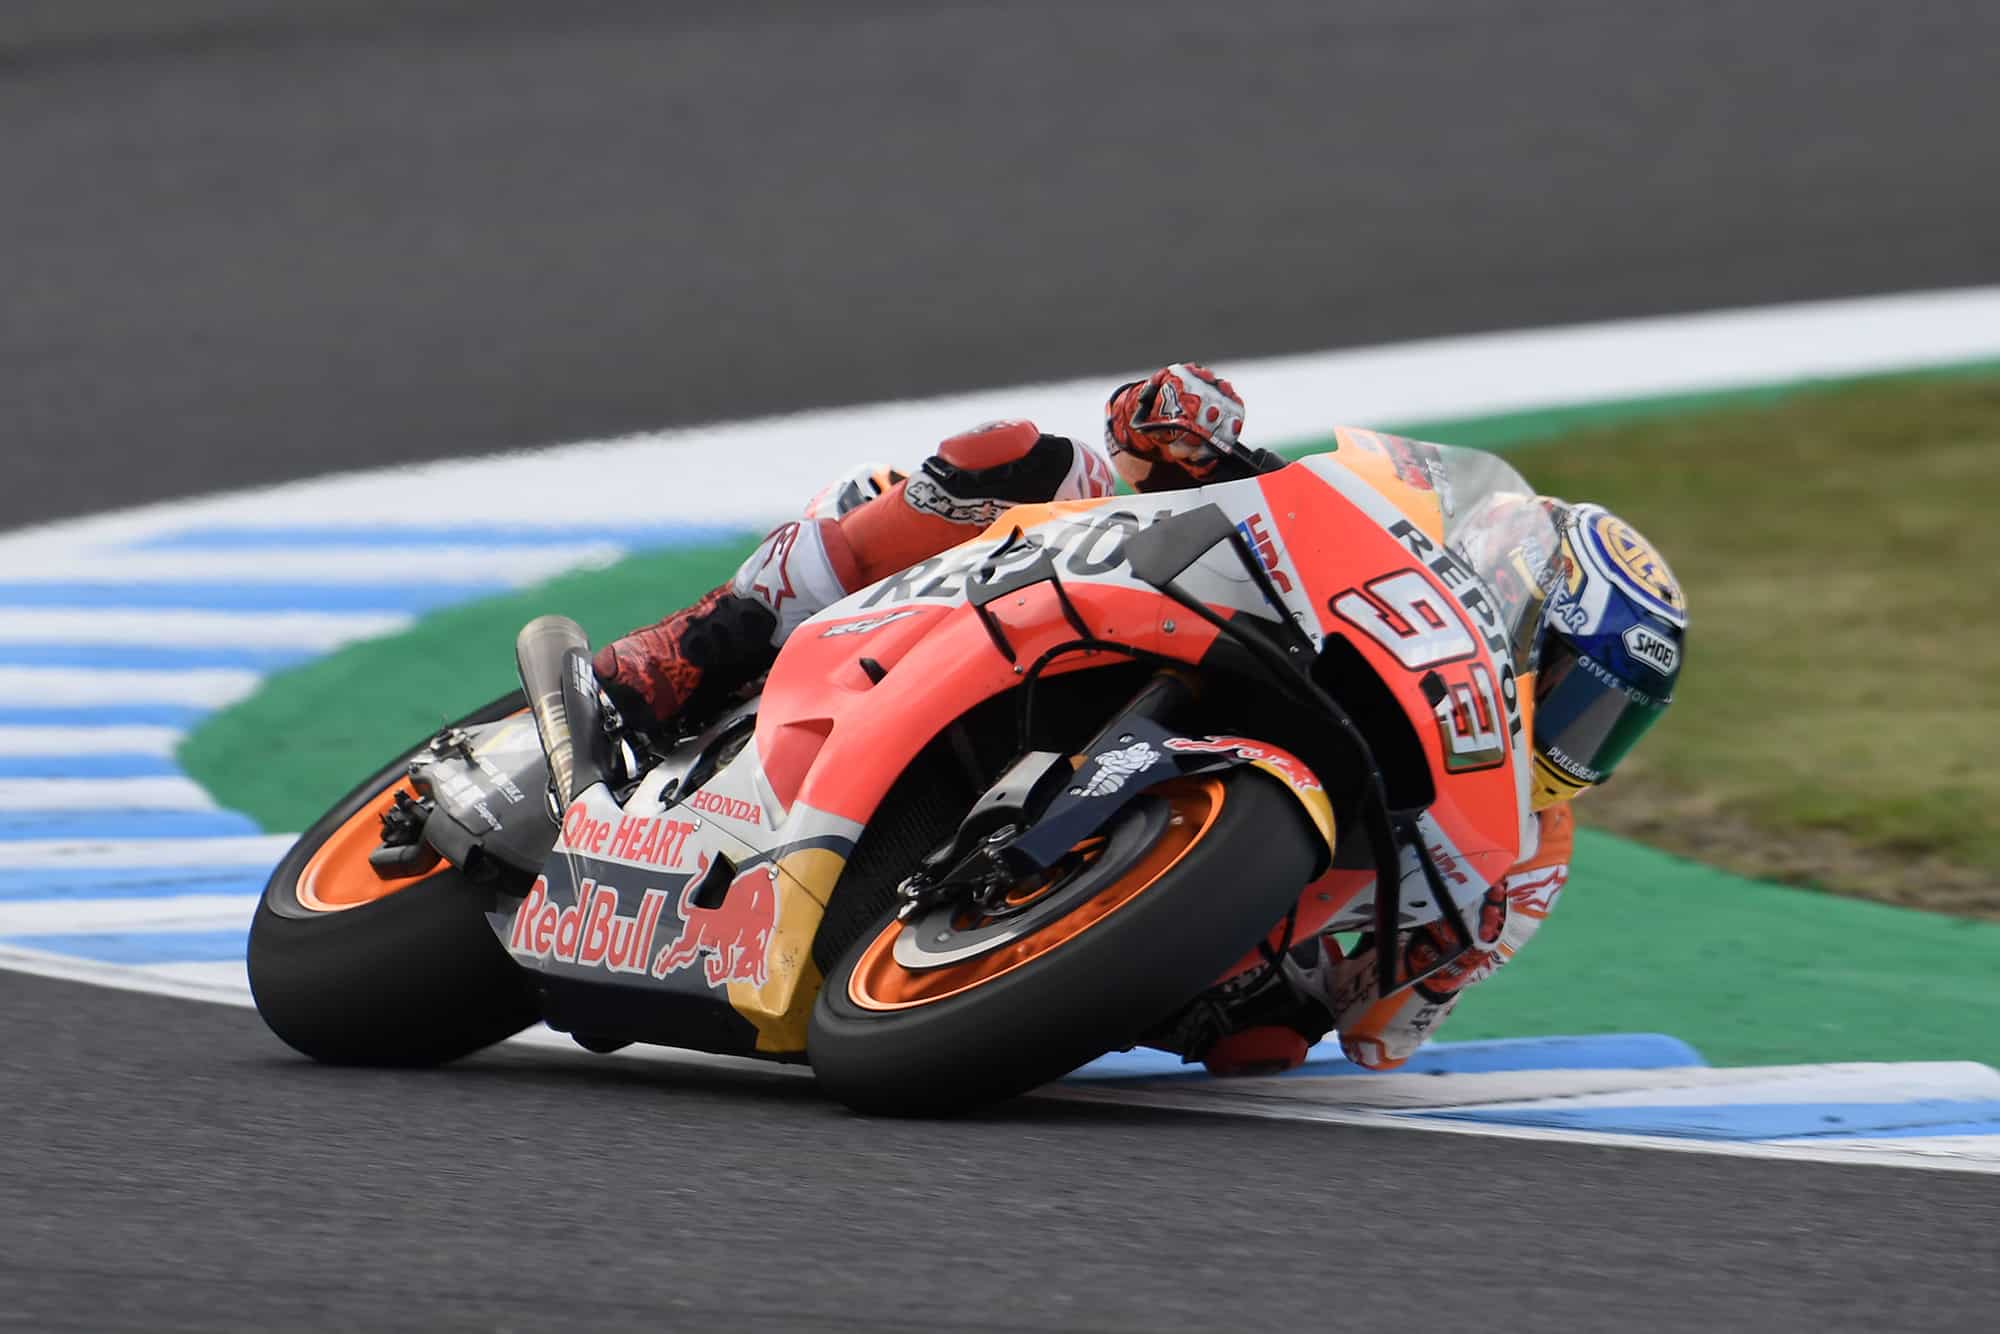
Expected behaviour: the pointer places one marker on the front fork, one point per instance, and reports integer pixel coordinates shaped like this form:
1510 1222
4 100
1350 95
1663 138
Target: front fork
1047 802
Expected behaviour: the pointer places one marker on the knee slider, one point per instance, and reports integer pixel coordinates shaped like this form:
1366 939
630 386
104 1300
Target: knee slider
992 445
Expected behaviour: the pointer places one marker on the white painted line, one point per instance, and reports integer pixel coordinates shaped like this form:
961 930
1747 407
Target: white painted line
1680 1086
1857 1082
330 565
1971 1153
1485 374
155 981
1884 1154
254 850
225 984
1967 1153
89 740
700 472
110 794
67 687
195 629
227 981
185 912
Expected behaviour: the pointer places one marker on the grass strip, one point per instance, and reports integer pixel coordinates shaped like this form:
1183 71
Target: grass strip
1836 715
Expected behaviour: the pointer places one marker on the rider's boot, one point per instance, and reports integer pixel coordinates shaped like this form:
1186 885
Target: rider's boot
687 665
691 664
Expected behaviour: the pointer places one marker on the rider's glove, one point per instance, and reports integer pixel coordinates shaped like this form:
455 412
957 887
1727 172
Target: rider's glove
1173 428
1381 1032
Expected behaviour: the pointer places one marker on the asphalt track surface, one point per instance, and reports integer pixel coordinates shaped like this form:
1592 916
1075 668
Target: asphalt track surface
246 242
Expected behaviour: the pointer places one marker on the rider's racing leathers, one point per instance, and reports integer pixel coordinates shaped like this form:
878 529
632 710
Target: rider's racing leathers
875 522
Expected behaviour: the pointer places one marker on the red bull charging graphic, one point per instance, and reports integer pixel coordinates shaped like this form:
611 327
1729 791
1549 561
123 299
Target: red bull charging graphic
734 935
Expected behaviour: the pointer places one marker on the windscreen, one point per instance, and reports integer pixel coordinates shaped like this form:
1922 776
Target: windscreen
1493 519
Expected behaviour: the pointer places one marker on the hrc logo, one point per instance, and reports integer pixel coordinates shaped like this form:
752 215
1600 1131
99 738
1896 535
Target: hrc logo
1634 558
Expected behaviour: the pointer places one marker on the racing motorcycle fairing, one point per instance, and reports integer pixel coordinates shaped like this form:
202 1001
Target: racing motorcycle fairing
692 901
1421 618
694 911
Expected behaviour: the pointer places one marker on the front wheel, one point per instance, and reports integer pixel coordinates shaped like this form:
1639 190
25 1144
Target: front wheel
355 970
942 1014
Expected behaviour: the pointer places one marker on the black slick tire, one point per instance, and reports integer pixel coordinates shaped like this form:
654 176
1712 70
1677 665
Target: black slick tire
1097 992
415 978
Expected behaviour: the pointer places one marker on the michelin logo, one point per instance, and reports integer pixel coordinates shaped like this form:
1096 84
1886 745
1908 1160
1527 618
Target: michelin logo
1114 767
1653 649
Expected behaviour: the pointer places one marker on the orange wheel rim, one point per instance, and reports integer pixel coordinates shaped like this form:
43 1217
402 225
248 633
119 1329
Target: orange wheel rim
338 875
879 982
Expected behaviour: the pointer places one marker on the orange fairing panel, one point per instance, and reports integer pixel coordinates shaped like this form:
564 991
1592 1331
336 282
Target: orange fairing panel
861 688
829 735
1378 572
872 733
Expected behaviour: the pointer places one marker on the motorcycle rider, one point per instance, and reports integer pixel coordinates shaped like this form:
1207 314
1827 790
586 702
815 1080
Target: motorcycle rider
1595 693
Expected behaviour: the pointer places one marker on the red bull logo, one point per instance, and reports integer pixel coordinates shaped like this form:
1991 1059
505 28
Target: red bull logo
1243 748
590 932
735 934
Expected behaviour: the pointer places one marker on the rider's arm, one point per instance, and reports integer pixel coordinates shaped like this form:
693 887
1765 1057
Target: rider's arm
1382 1032
806 566
971 479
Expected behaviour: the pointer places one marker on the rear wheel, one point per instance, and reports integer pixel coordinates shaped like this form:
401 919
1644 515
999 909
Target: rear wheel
943 1013
352 969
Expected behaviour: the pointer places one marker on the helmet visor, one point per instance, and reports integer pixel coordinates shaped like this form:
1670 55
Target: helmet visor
1586 719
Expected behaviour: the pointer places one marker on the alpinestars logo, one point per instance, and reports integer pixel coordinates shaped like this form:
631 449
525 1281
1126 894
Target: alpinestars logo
774 580
926 496
1115 767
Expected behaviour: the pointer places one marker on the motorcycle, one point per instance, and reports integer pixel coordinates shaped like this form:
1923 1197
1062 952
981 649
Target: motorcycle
1091 780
